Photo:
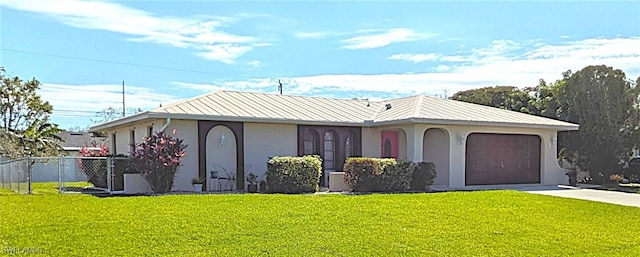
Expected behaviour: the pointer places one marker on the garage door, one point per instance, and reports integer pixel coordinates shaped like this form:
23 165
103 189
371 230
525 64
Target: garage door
502 159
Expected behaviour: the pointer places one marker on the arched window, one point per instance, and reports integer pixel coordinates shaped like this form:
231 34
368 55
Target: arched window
387 149
348 145
329 150
312 142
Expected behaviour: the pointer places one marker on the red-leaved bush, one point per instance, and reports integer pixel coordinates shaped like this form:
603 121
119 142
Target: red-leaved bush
95 169
157 158
102 152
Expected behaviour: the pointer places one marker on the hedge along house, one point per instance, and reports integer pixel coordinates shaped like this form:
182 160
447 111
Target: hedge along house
236 133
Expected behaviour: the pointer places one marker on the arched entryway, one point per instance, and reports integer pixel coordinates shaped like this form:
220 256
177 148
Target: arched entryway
436 150
221 159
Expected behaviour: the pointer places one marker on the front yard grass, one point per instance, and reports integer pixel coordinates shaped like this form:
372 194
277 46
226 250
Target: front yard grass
488 223
42 188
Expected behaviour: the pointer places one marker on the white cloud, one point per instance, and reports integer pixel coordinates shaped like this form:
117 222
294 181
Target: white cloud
500 63
443 68
242 85
498 50
199 87
77 105
203 34
377 39
415 58
313 35
255 64
98 97
225 53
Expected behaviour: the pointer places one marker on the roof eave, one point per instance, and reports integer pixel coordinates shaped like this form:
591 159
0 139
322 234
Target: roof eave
154 115
568 127
125 120
366 123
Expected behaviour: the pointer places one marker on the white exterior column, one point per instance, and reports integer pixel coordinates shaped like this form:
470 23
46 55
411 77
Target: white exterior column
415 136
457 149
551 172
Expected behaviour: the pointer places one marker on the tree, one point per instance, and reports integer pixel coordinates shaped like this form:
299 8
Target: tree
41 139
504 97
8 143
544 99
111 113
602 101
20 105
24 119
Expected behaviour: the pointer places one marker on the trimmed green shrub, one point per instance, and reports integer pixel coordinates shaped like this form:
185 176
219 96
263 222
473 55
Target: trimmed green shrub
387 175
423 175
365 174
397 177
288 174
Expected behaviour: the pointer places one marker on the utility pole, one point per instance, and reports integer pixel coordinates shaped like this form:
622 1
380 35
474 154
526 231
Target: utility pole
123 99
280 86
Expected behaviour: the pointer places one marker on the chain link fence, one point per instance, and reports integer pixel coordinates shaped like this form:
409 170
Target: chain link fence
14 175
44 175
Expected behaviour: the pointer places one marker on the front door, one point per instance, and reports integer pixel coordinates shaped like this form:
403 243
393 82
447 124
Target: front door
389 144
329 156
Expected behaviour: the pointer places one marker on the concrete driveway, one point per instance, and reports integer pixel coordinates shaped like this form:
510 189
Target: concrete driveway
620 198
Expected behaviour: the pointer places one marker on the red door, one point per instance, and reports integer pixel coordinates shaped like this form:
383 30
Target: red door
389 144
502 159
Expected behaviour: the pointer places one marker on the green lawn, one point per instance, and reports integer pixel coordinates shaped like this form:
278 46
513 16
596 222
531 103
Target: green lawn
42 187
488 223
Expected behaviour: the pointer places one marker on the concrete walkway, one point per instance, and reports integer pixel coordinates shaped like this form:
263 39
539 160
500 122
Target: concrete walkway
620 198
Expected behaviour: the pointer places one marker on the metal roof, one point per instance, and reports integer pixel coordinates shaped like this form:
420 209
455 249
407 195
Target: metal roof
275 108
272 106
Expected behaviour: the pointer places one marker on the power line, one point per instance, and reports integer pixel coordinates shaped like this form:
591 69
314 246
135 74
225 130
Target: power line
62 110
72 116
120 63
80 88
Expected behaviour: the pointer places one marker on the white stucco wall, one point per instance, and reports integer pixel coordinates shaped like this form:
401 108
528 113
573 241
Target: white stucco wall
123 135
263 140
186 129
551 173
371 142
372 145
436 146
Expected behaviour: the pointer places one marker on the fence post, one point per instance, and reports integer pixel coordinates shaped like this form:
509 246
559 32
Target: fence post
19 178
10 181
29 166
110 166
60 173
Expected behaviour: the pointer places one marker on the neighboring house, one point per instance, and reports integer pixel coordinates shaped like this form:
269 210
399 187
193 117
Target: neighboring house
238 131
74 141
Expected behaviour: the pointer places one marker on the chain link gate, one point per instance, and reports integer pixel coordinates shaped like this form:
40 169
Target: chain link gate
64 174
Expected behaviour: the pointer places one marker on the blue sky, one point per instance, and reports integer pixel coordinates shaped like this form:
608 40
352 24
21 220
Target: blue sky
171 50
